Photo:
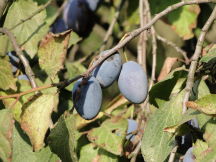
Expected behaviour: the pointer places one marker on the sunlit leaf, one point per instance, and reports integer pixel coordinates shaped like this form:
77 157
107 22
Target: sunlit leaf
52 52
206 105
184 20
36 118
110 135
30 32
92 153
6 131
6 75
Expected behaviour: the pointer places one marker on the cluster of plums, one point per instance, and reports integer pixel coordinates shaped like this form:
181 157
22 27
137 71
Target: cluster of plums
132 83
78 15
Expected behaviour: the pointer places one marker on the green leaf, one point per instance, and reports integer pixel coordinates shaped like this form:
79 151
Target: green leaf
157 144
6 76
52 52
29 33
184 20
6 131
158 5
62 139
73 69
206 104
22 150
207 151
92 153
13 104
164 88
199 150
210 133
74 39
210 54
110 135
36 118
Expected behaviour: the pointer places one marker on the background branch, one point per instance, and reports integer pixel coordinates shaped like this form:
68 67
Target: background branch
3 4
111 26
195 57
121 44
20 54
178 49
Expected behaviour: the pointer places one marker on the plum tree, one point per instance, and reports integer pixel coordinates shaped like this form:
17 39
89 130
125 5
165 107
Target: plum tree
133 82
87 97
109 70
189 157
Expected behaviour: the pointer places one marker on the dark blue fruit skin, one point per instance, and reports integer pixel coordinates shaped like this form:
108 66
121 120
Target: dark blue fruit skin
188 157
59 26
133 82
109 70
78 16
132 126
88 101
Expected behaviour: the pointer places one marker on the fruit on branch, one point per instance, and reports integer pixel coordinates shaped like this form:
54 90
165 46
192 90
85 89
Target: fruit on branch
59 26
109 70
93 4
133 82
23 77
194 123
189 157
132 126
87 97
14 61
78 15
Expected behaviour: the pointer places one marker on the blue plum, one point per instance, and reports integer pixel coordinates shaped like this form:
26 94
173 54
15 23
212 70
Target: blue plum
14 60
59 26
132 126
87 97
189 157
194 123
93 4
78 16
132 82
23 77
109 70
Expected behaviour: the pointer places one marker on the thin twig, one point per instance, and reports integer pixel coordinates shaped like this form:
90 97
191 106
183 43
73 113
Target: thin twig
178 49
135 152
138 31
60 85
141 46
154 45
172 154
20 54
123 42
195 57
32 15
111 26
3 4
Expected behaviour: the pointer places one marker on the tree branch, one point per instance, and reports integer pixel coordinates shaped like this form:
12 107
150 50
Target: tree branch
138 31
3 4
178 49
32 15
129 37
111 26
141 46
20 54
195 57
